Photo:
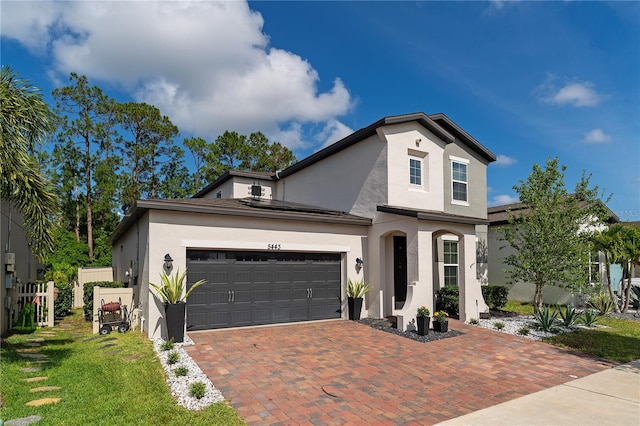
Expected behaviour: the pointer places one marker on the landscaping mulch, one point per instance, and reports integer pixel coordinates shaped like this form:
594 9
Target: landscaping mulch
413 335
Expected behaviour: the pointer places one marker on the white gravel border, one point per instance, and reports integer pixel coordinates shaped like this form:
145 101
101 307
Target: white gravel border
180 385
513 324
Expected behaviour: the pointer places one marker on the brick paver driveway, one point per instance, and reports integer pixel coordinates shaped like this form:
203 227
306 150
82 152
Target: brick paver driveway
342 372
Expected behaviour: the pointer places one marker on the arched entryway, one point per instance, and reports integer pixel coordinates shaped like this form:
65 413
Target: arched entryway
448 261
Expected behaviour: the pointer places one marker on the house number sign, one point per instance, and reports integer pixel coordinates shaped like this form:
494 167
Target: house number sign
273 246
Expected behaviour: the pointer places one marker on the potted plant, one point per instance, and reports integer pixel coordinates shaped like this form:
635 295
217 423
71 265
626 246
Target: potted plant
440 321
173 295
423 319
355 294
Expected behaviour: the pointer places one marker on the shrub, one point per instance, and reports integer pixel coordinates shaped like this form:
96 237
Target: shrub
546 319
197 390
524 331
495 296
173 357
167 345
64 302
569 316
499 325
88 294
601 302
181 371
423 311
448 300
589 317
473 321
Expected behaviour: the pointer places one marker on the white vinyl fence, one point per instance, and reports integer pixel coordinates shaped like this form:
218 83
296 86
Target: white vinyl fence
43 295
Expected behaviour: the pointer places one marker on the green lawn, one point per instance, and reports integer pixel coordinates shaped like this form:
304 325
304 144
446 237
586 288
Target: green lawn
619 341
99 386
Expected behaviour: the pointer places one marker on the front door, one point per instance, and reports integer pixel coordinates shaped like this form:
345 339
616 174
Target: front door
400 269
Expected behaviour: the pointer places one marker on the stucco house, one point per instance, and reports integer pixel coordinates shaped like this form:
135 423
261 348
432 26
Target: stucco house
19 265
498 250
400 203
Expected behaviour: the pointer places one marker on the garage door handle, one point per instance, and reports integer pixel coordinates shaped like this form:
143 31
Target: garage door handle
311 291
229 296
233 296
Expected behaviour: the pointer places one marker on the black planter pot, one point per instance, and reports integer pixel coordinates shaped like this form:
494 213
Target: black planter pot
174 315
441 326
355 306
423 325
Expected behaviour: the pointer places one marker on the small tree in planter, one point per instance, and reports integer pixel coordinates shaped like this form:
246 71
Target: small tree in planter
172 292
355 294
423 319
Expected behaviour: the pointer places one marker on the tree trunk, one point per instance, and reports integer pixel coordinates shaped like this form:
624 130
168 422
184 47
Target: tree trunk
627 293
612 296
537 299
89 199
77 225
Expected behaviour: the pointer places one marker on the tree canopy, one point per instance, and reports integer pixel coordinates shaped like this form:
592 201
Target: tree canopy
25 120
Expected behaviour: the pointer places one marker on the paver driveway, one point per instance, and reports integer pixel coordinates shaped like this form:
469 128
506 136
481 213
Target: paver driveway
343 372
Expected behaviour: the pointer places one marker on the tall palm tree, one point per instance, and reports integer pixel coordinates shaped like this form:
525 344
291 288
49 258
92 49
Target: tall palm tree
25 120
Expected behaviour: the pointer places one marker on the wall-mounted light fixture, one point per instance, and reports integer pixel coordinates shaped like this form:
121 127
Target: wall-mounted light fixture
359 261
418 141
168 262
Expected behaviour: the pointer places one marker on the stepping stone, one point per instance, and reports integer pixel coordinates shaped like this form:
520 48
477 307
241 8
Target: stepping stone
43 401
109 339
89 339
31 369
47 333
24 421
28 350
64 325
32 344
36 339
33 356
111 353
41 361
132 357
45 389
36 379
108 345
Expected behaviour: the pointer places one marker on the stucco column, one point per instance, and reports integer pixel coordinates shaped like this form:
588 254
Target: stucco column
471 300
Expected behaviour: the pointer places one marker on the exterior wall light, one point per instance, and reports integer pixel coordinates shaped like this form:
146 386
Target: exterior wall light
168 263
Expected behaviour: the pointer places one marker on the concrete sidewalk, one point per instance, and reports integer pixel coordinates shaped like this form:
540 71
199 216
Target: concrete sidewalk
609 397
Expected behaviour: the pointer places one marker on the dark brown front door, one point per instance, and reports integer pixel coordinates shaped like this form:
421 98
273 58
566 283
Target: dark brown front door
400 269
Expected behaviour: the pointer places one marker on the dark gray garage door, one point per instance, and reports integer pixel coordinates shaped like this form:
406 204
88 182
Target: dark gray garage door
253 288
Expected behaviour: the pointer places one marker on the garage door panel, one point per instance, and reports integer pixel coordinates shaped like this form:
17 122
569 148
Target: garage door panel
251 288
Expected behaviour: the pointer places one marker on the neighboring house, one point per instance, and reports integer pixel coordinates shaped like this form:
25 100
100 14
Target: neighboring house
19 265
400 204
524 291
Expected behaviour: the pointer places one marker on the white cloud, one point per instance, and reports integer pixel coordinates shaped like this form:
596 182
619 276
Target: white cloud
505 161
206 65
333 132
500 200
596 136
577 94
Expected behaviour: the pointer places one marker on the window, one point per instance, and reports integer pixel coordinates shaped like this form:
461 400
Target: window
594 268
459 181
450 263
415 171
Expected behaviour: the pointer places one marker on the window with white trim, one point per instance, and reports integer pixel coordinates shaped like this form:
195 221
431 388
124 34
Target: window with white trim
450 257
459 181
415 171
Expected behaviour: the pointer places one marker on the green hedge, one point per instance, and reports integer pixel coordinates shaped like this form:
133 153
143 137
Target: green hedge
88 294
448 300
495 296
64 302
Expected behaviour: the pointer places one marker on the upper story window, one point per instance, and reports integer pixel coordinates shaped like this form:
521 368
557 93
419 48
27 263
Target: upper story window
415 171
459 180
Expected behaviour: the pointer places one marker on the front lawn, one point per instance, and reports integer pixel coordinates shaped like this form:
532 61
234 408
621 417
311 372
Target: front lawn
103 380
619 341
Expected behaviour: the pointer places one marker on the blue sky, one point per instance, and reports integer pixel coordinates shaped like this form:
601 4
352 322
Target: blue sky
529 80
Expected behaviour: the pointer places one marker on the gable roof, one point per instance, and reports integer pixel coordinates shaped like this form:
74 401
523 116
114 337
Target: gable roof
498 215
244 207
439 124
228 175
